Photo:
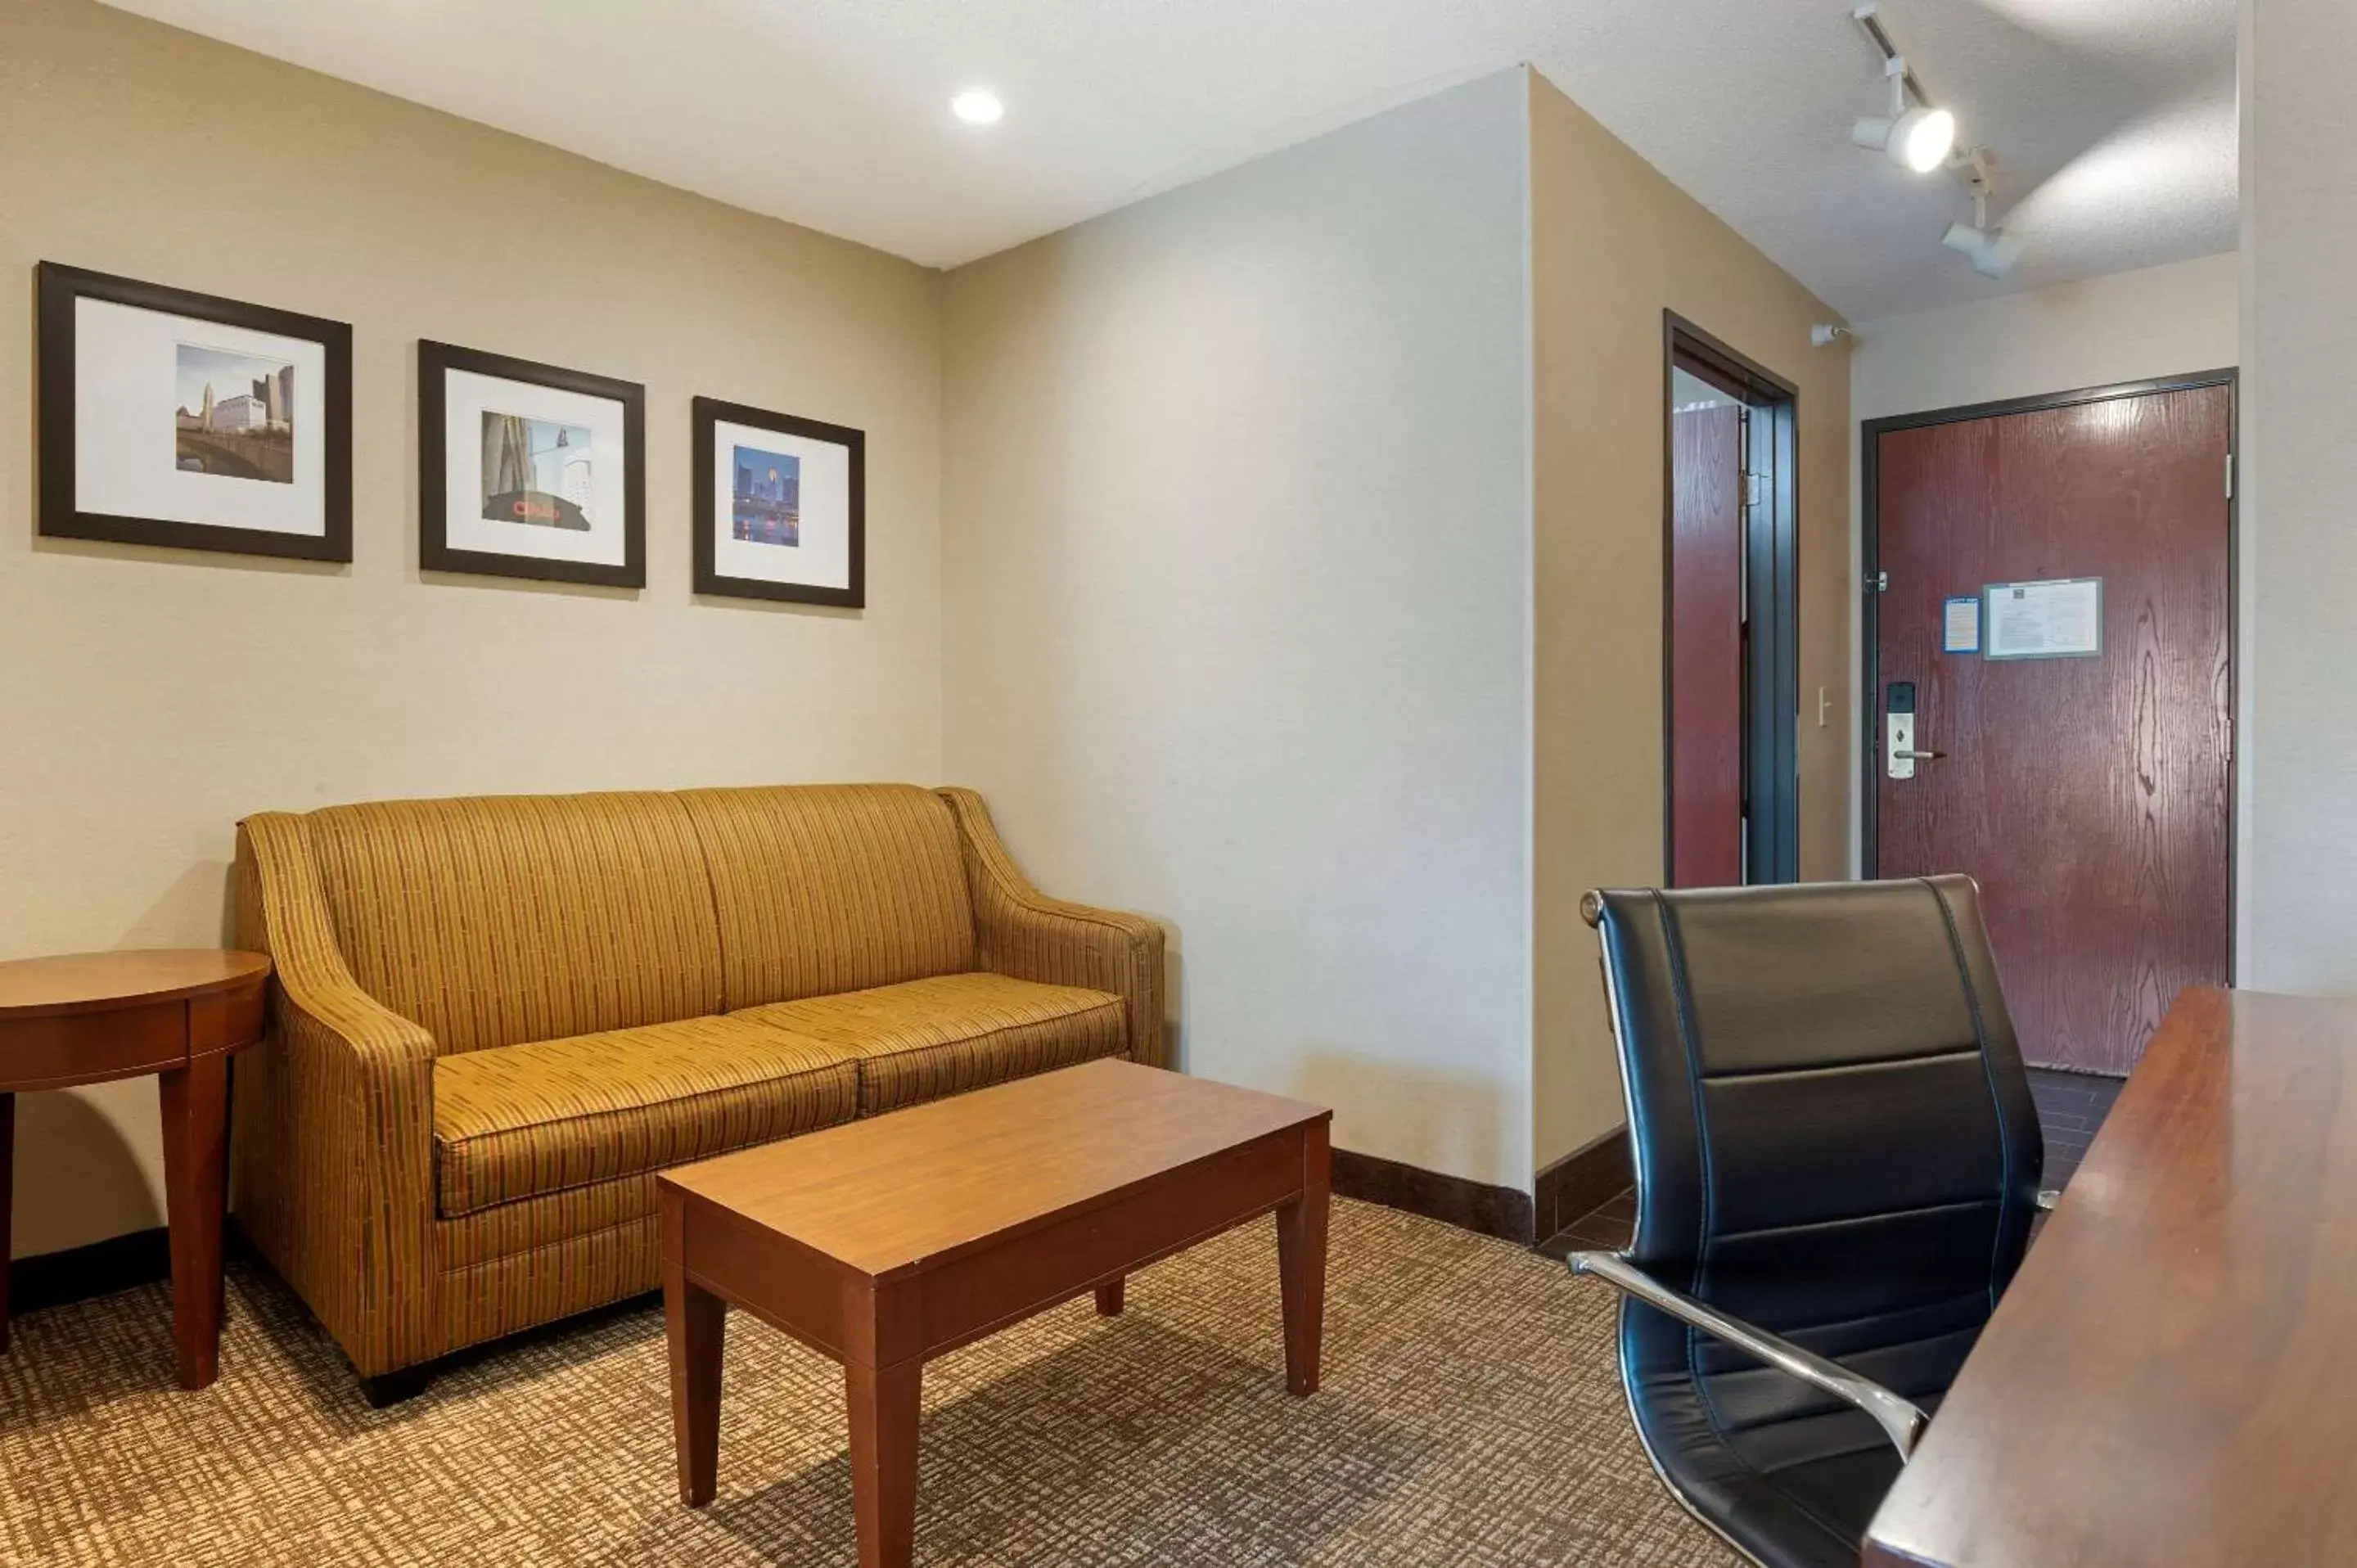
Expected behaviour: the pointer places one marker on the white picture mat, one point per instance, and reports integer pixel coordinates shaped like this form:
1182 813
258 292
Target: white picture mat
126 368
2059 618
466 398
823 559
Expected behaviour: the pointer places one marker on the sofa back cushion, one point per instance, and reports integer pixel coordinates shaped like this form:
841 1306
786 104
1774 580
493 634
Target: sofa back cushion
824 888
497 919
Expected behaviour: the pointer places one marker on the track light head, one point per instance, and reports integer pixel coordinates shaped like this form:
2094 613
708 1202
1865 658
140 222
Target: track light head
1992 252
1917 139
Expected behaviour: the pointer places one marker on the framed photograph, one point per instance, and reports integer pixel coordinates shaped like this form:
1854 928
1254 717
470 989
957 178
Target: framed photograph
180 419
780 507
527 470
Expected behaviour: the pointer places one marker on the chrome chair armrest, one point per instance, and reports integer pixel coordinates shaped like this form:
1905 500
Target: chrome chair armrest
1900 1419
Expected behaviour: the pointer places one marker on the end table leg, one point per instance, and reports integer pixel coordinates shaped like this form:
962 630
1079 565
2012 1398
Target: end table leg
695 1322
7 1194
1110 1297
1301 1262
195 1168
884 1403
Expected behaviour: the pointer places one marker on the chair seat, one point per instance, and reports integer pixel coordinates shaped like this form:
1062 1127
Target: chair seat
521 1121
1813 1514
924 1039
1797 1492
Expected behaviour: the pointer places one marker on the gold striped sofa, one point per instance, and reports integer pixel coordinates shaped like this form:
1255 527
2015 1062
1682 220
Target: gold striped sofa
495 1019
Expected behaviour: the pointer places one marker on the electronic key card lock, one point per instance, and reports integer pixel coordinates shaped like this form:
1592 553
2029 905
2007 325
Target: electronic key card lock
1898 754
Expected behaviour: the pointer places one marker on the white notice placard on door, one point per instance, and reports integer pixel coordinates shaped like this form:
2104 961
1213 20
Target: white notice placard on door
2062 618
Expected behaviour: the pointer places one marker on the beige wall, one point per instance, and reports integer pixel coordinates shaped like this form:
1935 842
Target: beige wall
2124 327
148 699
1281 555
1613 245
2299 864
1204 661
1235 540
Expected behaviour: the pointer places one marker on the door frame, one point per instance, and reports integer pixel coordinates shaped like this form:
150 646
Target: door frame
1771 564
1870 433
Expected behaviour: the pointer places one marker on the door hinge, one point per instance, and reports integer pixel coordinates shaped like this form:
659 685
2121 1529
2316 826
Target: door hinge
2230 476
1878 582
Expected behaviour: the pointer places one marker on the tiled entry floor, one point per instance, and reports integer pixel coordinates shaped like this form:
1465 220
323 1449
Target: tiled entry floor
2070 1106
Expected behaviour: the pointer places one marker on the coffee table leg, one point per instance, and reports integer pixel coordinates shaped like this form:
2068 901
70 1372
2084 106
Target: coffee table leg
1110 1297
695 1322
1301 1261
884 1460
196 1169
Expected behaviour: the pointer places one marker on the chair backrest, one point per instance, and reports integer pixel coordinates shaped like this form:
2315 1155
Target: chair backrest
1833 1133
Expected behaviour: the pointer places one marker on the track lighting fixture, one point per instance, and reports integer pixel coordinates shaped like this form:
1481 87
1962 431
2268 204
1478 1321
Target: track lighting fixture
1921 137
1992 252
1918 141
1918 137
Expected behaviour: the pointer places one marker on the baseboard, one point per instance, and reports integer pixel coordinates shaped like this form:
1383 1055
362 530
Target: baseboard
1591 1174
1501 1212
78 1273
1569 1188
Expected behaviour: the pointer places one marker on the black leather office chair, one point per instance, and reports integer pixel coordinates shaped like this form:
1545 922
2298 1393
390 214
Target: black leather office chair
1837 1162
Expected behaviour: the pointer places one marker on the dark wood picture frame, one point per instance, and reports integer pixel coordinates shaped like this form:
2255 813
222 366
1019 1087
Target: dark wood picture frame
434 552
60 517
710 411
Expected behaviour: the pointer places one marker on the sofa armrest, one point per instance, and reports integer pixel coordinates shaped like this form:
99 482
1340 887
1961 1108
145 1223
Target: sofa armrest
334 1153
1022 932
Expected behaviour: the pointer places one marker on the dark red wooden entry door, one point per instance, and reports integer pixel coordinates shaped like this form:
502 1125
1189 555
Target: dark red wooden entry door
1706 601
2090 796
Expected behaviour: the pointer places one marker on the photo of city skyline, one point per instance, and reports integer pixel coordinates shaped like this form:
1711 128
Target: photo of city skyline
234 414
535 471
769 497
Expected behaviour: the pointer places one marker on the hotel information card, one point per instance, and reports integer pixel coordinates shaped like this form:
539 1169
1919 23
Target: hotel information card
2062 619
1960 625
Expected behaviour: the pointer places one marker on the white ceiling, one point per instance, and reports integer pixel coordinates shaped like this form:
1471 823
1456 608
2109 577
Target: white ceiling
2113 119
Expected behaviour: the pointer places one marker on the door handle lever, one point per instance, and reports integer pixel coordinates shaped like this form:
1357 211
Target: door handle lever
1900 754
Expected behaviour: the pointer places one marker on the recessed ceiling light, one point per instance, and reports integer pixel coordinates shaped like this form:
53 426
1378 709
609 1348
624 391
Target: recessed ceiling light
977 108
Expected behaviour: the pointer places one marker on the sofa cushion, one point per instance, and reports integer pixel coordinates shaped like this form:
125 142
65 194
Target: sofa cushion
503 918
825 888
926 1039
520 1120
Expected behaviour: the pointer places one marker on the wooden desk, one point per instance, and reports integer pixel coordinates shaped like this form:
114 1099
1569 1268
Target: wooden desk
178 1014
885 1242
2172 1377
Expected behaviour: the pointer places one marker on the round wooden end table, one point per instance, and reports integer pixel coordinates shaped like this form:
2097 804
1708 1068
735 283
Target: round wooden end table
179 1013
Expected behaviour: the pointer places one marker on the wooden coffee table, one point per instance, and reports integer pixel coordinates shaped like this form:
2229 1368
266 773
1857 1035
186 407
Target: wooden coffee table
888 1241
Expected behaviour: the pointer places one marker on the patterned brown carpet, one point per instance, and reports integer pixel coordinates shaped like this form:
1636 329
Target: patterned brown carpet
1470 1414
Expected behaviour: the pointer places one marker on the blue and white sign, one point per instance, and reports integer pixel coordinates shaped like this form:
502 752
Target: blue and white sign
1960 625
